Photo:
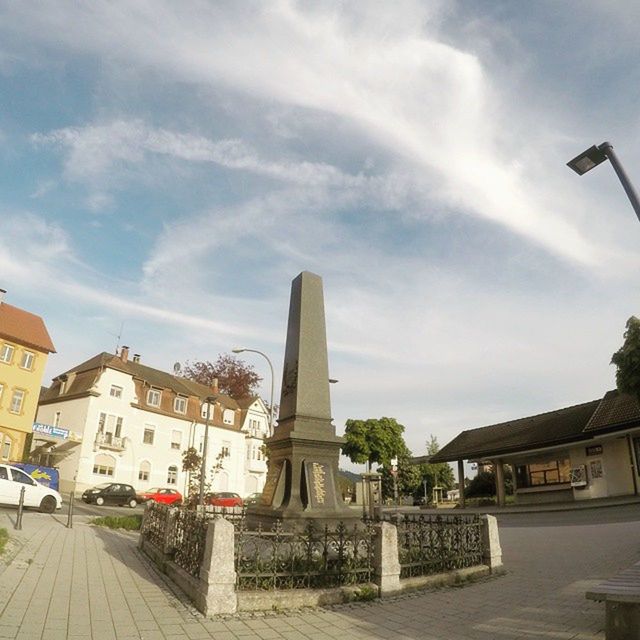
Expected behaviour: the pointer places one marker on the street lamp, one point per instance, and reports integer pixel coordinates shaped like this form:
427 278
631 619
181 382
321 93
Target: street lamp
238 350
203 471
597 154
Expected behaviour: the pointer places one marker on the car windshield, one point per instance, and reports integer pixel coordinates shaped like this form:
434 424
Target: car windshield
154 490
104 485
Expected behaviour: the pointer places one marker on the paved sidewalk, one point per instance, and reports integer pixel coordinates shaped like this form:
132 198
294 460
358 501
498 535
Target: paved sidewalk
92 583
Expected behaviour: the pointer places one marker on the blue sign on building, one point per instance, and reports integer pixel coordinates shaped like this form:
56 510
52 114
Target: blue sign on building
50 430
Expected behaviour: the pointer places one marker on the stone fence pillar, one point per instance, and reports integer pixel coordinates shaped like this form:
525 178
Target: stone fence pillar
218 569
492 554
386 559
169 526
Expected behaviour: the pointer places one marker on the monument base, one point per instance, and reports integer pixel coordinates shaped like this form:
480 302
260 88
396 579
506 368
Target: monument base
266 518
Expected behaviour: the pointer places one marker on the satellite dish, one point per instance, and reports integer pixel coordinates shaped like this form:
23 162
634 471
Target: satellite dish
177 367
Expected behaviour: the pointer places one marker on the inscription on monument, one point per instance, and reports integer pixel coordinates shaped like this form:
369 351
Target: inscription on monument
318 476
271 484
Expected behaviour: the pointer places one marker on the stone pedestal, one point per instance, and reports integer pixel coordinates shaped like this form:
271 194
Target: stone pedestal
302 481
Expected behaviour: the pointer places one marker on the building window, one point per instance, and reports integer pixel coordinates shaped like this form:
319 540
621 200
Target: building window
109 423
543 473
172 475
176 439
5 450
104 465
115 391
27 360
16 401
180 404
228 416
147 438
144 471
56 419
6 353
153 397
226 449
201 445
1 390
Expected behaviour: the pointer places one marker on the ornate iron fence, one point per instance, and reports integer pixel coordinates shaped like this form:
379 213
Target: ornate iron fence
315 557
187 539
235 515
155 523
430 544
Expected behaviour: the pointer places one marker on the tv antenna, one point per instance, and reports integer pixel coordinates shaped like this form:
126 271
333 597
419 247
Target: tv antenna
117 336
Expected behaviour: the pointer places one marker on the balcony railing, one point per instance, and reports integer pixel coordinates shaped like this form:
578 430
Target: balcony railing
109 441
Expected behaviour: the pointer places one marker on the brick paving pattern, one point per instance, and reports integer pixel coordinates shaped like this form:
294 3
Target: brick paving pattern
92 583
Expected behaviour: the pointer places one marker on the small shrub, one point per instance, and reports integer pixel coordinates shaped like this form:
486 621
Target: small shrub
365 594
4 537
129 523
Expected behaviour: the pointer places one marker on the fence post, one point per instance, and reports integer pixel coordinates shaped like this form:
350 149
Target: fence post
169 526
386 559
491 550
218 568
70 512
18 525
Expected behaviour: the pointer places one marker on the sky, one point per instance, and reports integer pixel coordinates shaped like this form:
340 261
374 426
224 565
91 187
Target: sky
166 170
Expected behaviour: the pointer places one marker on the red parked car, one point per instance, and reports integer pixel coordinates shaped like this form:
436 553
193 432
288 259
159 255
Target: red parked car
224 499
163 496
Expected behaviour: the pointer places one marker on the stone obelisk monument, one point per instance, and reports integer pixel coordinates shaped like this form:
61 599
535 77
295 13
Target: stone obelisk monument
302 482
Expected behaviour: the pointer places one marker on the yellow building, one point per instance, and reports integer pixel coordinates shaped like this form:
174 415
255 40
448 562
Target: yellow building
24 347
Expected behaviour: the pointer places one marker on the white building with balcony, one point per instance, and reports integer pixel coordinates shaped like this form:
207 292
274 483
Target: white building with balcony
131 423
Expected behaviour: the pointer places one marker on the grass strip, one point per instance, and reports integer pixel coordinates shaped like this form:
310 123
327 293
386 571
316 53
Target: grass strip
129 523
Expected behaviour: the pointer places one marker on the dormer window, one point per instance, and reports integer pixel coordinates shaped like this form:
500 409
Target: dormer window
153 397
228 416
115 391
180 404
207 407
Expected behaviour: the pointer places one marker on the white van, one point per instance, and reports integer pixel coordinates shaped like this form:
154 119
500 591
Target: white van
13 479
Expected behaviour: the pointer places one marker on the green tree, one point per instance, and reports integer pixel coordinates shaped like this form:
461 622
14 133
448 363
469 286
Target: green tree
375 440
235 377
192 464
627 360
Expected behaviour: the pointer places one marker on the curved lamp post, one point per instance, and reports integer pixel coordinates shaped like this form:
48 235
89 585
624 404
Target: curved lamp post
597 154
270 367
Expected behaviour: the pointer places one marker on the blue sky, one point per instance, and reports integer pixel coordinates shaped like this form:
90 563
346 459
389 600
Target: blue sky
173 167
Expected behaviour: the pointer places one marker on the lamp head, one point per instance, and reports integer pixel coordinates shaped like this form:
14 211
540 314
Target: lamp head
237 350
589 159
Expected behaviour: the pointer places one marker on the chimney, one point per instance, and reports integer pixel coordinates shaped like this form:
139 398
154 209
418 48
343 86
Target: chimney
124 354
2 292
136 357
214 385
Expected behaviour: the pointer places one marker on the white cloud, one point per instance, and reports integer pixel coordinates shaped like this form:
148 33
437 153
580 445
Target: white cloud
426 102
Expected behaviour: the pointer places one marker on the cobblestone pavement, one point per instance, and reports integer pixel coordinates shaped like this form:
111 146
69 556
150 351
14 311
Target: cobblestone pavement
92 583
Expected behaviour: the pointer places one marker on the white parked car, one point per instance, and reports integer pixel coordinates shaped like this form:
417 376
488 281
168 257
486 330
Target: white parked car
13 479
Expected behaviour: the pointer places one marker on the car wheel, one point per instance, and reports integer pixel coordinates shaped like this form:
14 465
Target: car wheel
99 501
133 503
48 504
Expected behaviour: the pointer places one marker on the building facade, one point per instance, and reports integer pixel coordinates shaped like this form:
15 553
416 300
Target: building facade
25 346
590 450
255 425
118 420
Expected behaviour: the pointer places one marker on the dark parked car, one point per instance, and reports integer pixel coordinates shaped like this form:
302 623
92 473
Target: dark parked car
111 493
254 498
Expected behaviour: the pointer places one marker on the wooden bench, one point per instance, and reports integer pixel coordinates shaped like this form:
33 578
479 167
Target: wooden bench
621 595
